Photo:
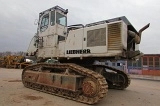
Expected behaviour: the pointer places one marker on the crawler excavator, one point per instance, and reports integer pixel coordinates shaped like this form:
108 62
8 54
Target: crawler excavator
80 51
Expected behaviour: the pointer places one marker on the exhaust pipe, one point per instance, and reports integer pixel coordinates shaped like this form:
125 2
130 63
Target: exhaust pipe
138 37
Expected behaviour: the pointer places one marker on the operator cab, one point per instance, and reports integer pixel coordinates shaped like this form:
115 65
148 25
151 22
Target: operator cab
53 21
52 28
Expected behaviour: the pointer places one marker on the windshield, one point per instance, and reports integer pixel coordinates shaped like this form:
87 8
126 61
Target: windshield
61 19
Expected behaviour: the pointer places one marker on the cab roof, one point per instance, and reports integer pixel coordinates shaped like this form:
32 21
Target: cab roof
54 8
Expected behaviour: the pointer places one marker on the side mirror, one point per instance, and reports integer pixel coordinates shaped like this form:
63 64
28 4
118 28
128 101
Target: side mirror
36 22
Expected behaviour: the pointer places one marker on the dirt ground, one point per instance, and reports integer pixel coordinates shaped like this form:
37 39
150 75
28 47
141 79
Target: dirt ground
13 93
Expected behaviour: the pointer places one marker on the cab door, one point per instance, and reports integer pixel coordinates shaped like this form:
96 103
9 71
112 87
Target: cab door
46 36
43 30
44 25
61 23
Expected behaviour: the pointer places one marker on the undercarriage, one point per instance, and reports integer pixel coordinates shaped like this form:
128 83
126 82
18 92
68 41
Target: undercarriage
87 85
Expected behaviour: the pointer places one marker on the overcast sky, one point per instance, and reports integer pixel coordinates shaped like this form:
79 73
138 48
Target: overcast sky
17 19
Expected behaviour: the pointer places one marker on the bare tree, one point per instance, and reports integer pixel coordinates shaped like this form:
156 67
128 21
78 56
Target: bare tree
19 53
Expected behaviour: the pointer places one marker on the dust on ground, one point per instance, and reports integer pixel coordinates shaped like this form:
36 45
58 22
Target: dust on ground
13 93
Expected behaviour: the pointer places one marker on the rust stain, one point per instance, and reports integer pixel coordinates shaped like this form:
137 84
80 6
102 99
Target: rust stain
48 103
16 101
13 94
15 81
30 97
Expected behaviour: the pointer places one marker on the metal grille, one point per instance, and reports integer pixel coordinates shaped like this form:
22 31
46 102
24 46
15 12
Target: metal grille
114 36
96 37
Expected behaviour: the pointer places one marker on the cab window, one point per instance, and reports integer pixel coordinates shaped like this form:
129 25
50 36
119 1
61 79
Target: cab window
61 19
44 23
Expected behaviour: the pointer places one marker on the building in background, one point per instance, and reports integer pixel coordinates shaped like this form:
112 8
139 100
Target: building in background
149 64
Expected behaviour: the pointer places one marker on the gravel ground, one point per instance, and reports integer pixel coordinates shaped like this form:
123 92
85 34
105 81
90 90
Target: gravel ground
13 93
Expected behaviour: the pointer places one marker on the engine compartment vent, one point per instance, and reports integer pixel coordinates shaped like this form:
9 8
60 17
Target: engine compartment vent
114 36
96 37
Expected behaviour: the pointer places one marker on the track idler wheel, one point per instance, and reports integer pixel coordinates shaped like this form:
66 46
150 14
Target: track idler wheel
89 87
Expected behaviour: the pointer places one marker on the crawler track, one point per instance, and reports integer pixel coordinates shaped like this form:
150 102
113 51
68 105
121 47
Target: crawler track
100 83
124 77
